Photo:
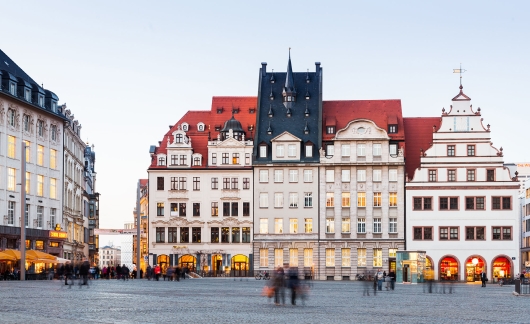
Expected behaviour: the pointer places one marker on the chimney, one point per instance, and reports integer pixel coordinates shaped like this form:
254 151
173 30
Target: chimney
263 69
317 68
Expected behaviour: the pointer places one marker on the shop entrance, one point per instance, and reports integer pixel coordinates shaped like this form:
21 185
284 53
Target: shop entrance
239 265
449 269
406 273
217 265
474 267
163 262
502 268
188 261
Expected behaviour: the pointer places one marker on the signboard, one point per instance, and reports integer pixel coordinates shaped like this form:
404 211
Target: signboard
58 234
107 231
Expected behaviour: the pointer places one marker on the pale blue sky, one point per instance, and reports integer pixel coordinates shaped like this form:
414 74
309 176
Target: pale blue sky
128 69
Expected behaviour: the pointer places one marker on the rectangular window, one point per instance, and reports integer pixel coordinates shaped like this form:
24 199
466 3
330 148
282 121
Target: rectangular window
225 234
183 160
330 257
308 257
246 183
225 157
11 213
475 203
309 150
330 175
361 199
278 199
215 208
235 209
28 154
377 225
471 150
214 158
12 179
182 209
293 175
263 175
226 209
346 199
293 200
392 175
263 200
308 175
278 175
196 183
471 175
279 150
278 258
345 150
236 235
278 225
293 225
172 235
196 209
376 175
501 203
160 234
448 203
174 182
183 183
263 226
226 183
11 146
245 235
346 225
376 149
330 199
40 155
449 233
160 209
392 225
422 203
361 150
308 225
361 257
40 185
291 150
422 233
247 158
53 188
53 159
263 151
215 183
361 225
378 258
450 150
184 235
330 129
330 150
432 176
361 175
263 258
40 216
345 175
308 199
475 233
175 159
330 225
451 175
502 233
235 158
214 234
293 257
490 175
235 183
246 209
53 213
377 199
392 199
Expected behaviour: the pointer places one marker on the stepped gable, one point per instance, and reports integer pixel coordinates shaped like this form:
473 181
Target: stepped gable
339 113
418 133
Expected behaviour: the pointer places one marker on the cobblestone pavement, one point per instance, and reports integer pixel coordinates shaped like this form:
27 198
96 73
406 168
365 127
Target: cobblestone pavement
240 301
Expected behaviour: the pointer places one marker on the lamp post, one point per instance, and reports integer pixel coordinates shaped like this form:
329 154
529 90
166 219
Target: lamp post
23 211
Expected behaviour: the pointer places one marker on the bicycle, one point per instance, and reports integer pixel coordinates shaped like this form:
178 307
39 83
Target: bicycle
262 275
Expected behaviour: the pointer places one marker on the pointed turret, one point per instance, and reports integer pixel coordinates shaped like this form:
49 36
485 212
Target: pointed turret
289 90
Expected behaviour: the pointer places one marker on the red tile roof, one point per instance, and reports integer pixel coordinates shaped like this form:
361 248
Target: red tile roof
418 131
381 112
220 112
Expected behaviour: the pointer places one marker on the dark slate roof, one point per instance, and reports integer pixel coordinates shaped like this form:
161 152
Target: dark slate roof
295 124
232 124
8 65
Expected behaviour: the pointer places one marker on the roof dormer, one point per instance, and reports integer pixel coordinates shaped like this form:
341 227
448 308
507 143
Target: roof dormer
185 126
200 127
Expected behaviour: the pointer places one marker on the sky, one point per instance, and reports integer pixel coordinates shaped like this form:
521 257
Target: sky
129 69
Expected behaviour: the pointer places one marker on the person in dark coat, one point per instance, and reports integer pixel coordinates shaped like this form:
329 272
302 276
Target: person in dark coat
125 272
483 278
293 284
149 272
67 272
83 271
118 272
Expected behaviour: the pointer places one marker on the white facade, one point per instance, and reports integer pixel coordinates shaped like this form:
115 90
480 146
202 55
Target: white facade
361 202
109 256
201 218
462 205
525 226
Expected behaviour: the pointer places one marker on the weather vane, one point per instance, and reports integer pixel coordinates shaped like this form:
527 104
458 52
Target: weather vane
460 70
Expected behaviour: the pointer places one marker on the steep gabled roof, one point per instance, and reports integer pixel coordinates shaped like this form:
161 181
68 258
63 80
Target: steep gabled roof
418 133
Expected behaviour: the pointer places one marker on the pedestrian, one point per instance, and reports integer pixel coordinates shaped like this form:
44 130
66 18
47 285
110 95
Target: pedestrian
118 272
83 271
392 276
149 270
125 273
104 273
293 283
177 273
278 284
483 278
67 272
157 272
97 272
380 278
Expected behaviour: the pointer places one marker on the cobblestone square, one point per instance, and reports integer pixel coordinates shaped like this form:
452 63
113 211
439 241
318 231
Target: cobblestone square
240 301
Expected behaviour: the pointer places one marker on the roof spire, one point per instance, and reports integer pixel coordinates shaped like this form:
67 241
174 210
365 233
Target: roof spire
289 82
460 70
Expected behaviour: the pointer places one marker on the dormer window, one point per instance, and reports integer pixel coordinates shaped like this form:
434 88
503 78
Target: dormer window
41 101
330 130
217 128
196 161
179 138
263 151
220 110
40 128
185 127
392 129
27 95
309 150
25 123
252 110
200 127
161 160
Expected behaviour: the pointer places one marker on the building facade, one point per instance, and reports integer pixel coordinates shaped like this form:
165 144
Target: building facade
525 228
200 190
109 256
91 203
30 115
286 165
461 202
362 193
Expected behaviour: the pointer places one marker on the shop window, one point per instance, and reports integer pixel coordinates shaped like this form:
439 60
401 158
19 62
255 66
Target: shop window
448 269
39 245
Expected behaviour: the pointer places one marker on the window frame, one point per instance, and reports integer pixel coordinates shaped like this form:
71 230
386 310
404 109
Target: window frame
475 233
501 233
475 203
471 150
451 150
422 203
422 233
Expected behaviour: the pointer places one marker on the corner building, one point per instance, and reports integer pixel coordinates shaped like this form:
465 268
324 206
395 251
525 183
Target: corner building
200 191
362 177
461 201
288 136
